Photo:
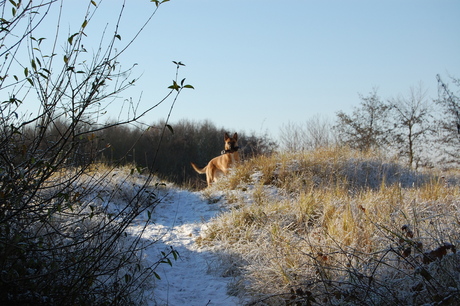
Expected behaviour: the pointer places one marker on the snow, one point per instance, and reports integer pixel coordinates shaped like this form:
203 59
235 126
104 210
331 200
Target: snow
194 278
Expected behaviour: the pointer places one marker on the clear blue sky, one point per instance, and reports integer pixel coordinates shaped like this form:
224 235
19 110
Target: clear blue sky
257 64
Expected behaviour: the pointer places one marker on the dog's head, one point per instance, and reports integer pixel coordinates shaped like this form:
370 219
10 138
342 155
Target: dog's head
231 143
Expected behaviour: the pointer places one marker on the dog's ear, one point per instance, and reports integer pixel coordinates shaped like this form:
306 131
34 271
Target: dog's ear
235 136
226 137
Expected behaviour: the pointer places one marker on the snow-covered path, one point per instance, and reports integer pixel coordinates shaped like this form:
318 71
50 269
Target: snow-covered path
178 221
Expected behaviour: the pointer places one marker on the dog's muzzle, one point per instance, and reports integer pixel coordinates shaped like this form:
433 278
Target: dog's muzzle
231 150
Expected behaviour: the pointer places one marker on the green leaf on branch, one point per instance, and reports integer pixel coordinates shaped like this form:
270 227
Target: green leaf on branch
185 86
167 261
38 40
178 63
158 2
70 39
118 36
170 128
175 254
174 86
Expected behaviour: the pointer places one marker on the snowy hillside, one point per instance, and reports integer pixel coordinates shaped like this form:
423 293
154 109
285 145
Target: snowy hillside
278 229
195 277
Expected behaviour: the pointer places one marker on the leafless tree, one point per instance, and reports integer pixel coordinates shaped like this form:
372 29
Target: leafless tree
367 127
448 123
291 137
315 132
411 125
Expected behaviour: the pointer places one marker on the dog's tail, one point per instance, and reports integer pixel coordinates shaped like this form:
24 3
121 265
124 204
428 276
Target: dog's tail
200 171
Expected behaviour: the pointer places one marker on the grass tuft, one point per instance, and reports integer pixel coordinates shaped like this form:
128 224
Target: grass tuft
334 226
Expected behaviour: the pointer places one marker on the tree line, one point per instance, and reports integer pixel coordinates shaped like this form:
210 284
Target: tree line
417 130
163 149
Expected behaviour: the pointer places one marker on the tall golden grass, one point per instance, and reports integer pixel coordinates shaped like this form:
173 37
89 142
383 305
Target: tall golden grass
335 226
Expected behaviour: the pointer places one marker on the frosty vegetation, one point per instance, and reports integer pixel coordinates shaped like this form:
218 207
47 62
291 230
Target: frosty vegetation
363 211
60 244
335 227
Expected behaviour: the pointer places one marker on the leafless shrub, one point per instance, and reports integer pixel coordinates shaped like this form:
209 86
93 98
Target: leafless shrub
60 243
315 133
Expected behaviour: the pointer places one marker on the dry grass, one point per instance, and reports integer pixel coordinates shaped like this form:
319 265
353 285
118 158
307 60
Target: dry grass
336 227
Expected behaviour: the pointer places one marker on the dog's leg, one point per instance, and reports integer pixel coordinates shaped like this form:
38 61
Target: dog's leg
209 175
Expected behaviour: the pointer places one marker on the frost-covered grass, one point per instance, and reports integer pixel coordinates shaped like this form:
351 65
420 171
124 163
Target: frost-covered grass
337 227
325 227
72 242
154 259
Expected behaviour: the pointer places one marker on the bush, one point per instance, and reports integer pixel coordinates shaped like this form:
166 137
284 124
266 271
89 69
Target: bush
59 241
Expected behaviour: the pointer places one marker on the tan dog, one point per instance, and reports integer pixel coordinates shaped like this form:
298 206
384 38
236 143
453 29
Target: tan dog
221 164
